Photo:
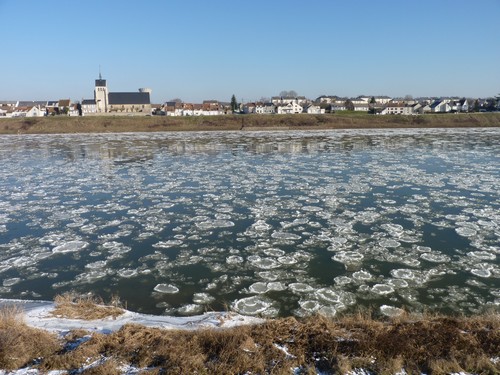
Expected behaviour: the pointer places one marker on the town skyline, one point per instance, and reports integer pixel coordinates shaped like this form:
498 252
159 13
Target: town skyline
195 51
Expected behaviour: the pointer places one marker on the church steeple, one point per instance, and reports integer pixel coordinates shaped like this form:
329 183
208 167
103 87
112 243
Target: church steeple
101 93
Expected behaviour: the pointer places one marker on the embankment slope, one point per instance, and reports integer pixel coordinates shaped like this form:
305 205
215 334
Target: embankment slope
115 124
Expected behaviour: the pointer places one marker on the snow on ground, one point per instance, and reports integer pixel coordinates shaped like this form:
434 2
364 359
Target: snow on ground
38 314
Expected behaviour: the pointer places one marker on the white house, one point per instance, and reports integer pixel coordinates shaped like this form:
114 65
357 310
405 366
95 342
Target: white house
395 108
6 111
173 108
440 106
290 108
360 100
88 106
338 106
400 108
382 99
277 100
315 109
464 105
265 108
361 107
30 111
417 108
328 99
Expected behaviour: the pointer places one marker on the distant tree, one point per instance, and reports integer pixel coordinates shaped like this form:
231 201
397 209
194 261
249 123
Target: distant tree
349 105
408 97
371 106
288 94
476 105
176 100
264 100
234 104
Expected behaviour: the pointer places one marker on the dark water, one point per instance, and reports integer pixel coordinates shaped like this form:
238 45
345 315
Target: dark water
275 223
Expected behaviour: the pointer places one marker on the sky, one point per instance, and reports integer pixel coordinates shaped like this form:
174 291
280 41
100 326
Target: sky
197 50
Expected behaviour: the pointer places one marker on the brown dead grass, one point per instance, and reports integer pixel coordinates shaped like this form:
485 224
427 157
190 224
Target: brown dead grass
103 124
20 344
71 306
431 344
426 343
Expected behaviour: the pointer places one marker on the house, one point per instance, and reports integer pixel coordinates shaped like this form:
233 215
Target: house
6 111
279 100
290 108
464 105
337 106
212 108
382 99
52 108
265 108
361 100
8 103
393 108
440 106
89 107
398 108
29 111
426 108
198 110
361 107
417 108
314 109
249 108
327 99
172 108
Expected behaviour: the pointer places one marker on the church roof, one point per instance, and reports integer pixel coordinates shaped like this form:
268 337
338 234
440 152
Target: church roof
127 98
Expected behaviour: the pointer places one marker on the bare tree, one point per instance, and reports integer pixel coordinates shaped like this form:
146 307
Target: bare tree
288 94
176 100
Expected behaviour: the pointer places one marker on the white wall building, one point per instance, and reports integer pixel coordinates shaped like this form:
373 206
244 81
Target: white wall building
315 109
290 108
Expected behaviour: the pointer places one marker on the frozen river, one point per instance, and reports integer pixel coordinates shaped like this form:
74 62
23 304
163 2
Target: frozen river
269 223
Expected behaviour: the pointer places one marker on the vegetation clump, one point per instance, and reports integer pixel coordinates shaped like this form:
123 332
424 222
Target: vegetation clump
88 307
21 345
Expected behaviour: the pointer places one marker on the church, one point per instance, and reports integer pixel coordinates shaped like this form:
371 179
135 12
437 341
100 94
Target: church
117 103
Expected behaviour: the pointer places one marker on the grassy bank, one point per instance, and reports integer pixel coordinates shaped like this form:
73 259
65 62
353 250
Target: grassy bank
103 124
416 343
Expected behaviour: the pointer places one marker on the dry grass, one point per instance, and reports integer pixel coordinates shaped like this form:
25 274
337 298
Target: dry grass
424 343
434 345
103 124
71 306
20 344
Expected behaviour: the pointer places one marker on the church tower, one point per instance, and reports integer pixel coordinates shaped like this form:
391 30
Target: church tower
101 95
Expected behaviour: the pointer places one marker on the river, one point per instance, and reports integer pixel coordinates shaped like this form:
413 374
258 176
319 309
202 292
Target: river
263 223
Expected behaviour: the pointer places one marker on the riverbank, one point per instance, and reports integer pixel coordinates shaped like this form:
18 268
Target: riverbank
129 343
116 124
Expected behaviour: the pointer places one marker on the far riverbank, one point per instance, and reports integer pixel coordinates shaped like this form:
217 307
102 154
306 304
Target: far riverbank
117 124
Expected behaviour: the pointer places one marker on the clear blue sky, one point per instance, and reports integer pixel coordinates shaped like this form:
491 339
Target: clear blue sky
198 49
